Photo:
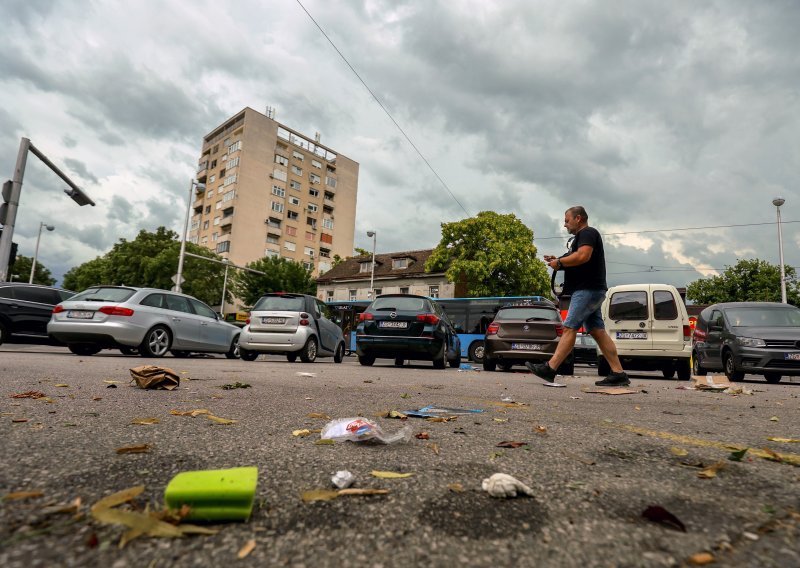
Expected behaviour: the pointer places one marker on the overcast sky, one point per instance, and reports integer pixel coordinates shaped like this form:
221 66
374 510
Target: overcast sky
651 114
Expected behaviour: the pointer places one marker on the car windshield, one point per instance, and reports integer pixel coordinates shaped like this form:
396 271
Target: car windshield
280 304
764 317
103 295
527 314
398 304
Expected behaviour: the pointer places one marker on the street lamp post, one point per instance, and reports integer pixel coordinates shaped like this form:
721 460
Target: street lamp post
224 287
372 234
179 275
42 225
777 202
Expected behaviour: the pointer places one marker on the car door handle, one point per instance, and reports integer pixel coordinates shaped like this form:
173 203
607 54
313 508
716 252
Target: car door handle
204 323
15 306
176 319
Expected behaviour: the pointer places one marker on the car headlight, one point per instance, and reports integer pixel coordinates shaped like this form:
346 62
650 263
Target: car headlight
750 342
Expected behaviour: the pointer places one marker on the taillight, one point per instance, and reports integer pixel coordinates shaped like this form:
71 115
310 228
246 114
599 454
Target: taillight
116 311
58 309
304 321
559 330
247 321
432 319
687 332
493 329
364 316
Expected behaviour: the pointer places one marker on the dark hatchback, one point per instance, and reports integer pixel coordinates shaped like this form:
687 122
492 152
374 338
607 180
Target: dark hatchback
25 310
407 327
759 338
523 332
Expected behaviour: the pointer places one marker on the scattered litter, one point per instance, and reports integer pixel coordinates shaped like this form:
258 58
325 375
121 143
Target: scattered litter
139 449
611 391
324 443
557 385
301 433
422 436
343 479
218 420
389 474
660 515
154 377
434 447
360 429
750 536
329 494
19 420
711 382
575 397
506 398
460 431
465 367
318 415
711 471
29 394
433 411
500 419
784 440
306 374
701 559
246 549
774 419
737 390
396 414
214 494
236 385
455 487
541 429
502 485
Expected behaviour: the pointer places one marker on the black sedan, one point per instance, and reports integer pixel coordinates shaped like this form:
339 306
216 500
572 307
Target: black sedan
406 327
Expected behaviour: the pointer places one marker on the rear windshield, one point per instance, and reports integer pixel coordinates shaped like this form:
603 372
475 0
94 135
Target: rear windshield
399 304
280 304
628 306
763 317
528 314
104 295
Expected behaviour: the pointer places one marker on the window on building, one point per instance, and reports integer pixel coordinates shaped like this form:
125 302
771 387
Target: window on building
352 295
224 246
294 201
279 175
309 236
194 225
218 205
325 252
433 291
399 263
308 265
279 191
273 239
228 196
216 220
204 240
214 237
271 253
291 231
212 179
313 208
297 170
273 222
378 291
365 266
297 155
326 238
311 222
207 210
328 295
230 179
314 178
292 215
327 223
288 245
234 147
295 185
308 251
404 290
316 164
277 207
205 225
313 192
209 193
330 182
329 196
232 163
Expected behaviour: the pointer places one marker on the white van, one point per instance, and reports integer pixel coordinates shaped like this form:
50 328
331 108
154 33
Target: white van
650 327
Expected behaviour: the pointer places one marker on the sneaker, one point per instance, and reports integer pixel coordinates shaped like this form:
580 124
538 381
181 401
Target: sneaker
541 370
614 380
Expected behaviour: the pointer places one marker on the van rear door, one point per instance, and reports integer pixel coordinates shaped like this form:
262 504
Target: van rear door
628 320
667 323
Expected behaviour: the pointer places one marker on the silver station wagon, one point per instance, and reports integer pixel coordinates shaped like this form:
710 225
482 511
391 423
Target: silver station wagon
149 320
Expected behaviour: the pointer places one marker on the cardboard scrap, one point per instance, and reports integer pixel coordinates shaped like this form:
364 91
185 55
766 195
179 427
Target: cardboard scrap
154 377
711 382
610 390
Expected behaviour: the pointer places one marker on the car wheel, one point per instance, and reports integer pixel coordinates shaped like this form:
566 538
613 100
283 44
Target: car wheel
489 364
455 363
338 356
129 350
247 355
730 368
603 368
84 350
697 369
308 354
156 342
772 378
567 368
366 360
668 371
399 361
477 351
180 354
684 370
291 357
440 361
233 352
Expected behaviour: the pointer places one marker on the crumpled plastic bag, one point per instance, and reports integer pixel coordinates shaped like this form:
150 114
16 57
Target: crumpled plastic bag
154 377
502 485
360 429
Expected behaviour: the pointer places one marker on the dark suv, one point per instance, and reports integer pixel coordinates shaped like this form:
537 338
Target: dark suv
759 338
25 310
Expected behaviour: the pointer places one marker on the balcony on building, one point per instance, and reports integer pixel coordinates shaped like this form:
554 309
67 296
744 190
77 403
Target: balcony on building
227 218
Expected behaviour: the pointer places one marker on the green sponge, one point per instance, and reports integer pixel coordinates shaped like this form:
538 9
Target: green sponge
214 494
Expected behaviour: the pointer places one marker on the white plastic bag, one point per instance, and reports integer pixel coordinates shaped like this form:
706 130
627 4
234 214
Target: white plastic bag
360 429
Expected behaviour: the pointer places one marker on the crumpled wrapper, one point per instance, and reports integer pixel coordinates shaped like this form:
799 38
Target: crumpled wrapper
154 377
502 485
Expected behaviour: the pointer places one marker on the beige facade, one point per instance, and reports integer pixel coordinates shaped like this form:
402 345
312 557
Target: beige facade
271 191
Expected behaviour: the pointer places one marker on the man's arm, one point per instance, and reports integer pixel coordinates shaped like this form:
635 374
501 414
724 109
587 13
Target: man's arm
580 256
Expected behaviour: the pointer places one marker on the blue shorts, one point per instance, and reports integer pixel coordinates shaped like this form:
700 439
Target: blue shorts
584 310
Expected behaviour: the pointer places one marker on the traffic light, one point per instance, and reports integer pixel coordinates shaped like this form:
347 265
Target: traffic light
7 186
12 255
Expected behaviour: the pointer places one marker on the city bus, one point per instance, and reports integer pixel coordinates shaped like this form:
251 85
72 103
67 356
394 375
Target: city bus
470 317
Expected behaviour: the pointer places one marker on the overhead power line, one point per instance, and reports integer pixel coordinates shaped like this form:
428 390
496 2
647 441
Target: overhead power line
385 110
675 230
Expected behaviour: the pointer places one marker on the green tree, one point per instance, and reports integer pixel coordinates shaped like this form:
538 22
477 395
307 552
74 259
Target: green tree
280 275
493 253
22 268
748 281
361 252
151 259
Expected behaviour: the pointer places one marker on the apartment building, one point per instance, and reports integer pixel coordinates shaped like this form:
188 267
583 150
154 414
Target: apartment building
271 191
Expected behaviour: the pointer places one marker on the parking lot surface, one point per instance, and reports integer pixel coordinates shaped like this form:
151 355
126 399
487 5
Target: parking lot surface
595 463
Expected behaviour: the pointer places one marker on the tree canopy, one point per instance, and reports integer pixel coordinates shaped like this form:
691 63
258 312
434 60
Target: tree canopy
492 254
280 275
151 259
748 281
22 270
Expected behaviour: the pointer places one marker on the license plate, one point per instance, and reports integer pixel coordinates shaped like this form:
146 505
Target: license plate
527 346
393 324
79 314
631 335
279 321
792 356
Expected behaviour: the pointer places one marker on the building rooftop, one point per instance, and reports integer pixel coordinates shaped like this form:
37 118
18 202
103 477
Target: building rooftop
350 269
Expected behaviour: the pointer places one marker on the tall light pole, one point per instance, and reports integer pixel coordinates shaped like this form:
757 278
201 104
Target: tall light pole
777 202
224 287
374 235
42 225
179 275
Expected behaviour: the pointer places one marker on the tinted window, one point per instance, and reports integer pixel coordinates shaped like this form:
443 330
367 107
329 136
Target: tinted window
398 303
6 292
763 317
528 314
281 303
628 306
154 301
39 295
178 303
324 310
104 295
201 309
664 305
715 318
65 294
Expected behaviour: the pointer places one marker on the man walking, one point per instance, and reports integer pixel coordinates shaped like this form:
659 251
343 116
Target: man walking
585 280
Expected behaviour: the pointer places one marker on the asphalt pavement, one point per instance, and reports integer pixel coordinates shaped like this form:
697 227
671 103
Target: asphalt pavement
595 463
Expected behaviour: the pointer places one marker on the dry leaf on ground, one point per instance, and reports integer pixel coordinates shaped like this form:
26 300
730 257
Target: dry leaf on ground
680 452
701 559
711 471
19 420
784 440
325 442
301 433
318 415
62 385
541 429
500 419
246 549
511 444
219 420
138 449
29 394
455 487
389 474
20 495
119 497
145 421
658 514
193 413
441 418
422 436
435 447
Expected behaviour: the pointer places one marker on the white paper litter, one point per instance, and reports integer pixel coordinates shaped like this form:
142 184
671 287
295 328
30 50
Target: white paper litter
502 485
554 384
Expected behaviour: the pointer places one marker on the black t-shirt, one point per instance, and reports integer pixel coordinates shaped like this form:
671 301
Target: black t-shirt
589 275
